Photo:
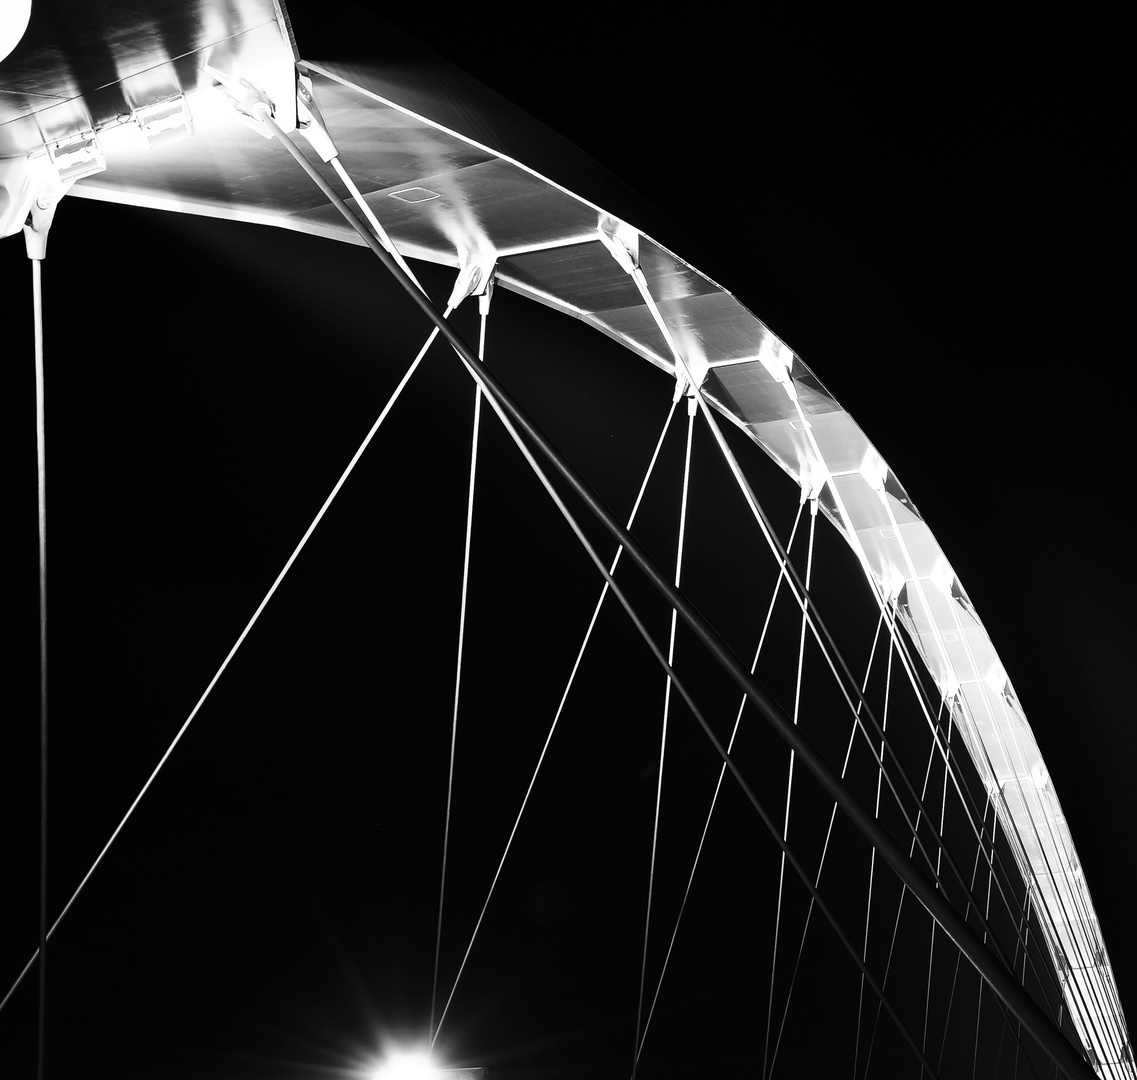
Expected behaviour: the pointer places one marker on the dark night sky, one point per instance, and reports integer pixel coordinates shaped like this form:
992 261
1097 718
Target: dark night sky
929 216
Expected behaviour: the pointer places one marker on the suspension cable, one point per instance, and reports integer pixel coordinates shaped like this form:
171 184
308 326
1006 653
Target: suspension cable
872 861
904 892
507 409
955 976
1052 1041
556 719
824 854
789 787
1017 1030
458 672
971 810
1047 917
237 644
900 906
718 787
979 1001
663 734
975 818
482 376
373 221
952 770
41 493
1090 1015
920 590
818 625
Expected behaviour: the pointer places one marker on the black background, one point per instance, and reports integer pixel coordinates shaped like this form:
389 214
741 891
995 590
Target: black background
930 215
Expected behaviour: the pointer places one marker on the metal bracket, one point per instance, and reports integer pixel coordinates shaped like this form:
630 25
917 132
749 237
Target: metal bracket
30 190
623 243
475 278
778 359
310 123
486 294
621 240
695 366
813 481
36 227
250 101
875 472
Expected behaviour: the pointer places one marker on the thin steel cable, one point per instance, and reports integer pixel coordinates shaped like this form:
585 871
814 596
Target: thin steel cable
696 712
663 736
817 624
917 582
1006 1016
967 802
458 672
921 592
952 768
872 864
928 986
714 797
904 893
1020 1046
998 1002
899 912
979 1000
979 853
527 453
1080 959
373 221
942 851
832 654
769 615
955 977
789 790
1019 1035
1046 915
971 810
824 854
932 940
556 719
236 645
820 630
1077 991
1042 1026
722 654
41 493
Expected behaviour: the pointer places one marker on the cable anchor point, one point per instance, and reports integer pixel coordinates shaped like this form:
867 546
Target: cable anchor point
250 101
310 122
475 278
778 360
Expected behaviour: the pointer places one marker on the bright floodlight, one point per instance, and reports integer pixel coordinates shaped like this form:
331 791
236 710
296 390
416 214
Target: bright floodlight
406 1065
416 1065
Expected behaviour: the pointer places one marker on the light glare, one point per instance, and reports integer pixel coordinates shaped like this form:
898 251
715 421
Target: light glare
406 1065
14 15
